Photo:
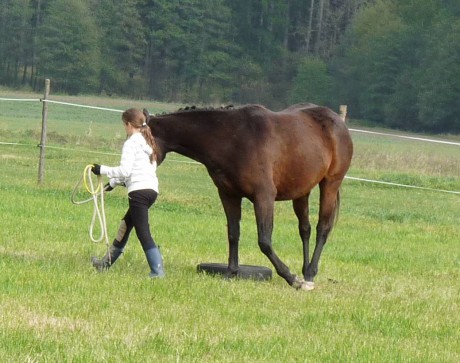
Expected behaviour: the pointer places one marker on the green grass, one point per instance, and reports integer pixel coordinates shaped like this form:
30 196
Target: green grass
387 289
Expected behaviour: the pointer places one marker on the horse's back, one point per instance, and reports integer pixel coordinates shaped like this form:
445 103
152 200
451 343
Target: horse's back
304 130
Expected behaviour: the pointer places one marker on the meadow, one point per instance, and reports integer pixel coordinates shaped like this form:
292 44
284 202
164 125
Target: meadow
388 288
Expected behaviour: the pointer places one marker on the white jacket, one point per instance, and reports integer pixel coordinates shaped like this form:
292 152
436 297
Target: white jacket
135 169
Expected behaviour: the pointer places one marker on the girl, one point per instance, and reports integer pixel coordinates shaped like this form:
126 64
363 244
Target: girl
137 171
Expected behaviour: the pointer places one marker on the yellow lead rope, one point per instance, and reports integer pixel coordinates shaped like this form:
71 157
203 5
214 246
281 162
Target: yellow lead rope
97 196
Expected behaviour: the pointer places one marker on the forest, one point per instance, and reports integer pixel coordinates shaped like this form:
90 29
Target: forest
394 63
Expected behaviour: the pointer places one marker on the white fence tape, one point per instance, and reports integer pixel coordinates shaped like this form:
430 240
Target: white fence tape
83 106
401 185
407 137
20 99
14 143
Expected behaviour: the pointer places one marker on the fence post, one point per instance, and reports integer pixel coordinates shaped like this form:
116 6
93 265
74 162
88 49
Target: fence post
41 163
343 112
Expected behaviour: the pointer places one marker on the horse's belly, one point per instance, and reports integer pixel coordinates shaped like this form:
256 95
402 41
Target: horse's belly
294 192
298 181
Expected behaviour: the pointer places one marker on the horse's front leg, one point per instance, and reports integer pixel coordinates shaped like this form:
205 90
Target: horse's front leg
264 209
232 208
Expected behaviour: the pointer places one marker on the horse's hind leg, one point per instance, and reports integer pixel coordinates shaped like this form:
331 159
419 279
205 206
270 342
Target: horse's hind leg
232 208
329 194
301 211
264 209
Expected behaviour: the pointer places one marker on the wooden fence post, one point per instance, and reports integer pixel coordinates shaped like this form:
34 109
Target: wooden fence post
343 112
41 163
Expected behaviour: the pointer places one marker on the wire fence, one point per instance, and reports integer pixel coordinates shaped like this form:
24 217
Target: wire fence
49 101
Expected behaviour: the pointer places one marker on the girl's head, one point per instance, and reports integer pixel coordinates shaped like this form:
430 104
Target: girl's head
135 121
134 117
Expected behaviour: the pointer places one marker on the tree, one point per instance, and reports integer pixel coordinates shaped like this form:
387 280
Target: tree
371 53
122 46
15 31
213 66
68 51
190 56
398 65
438 99
312 83
35 26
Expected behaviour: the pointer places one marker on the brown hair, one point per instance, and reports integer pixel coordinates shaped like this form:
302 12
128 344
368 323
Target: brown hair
138 120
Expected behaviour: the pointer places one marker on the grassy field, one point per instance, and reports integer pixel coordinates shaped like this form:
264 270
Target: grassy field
387 289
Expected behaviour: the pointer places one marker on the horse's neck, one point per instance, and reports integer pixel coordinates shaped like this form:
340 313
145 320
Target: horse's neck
183 134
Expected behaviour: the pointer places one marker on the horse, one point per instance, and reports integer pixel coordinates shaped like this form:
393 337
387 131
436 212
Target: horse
265 156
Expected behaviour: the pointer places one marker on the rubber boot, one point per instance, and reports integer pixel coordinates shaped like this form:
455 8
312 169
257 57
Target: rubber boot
108 260
155 262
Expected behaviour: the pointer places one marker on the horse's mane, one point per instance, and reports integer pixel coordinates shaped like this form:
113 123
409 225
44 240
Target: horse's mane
196 109
209 108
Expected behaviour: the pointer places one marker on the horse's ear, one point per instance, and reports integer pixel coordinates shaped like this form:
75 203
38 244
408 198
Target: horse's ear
146 113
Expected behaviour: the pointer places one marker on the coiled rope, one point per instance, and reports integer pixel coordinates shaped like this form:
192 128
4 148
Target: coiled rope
97 196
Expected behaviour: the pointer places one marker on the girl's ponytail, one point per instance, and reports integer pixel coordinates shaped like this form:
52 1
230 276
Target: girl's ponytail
147 133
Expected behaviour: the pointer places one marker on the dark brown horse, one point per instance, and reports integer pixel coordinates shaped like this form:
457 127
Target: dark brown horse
264 156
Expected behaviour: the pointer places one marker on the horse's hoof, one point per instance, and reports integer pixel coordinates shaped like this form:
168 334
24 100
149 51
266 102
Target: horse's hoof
297 283
307 285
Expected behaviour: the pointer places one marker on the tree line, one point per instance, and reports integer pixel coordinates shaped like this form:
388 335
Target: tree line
394 63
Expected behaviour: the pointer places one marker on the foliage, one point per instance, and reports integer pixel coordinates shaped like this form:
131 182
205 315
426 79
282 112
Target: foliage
394 63
398 63
67 55
190 55
312 83
16 41
122 47
439 82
